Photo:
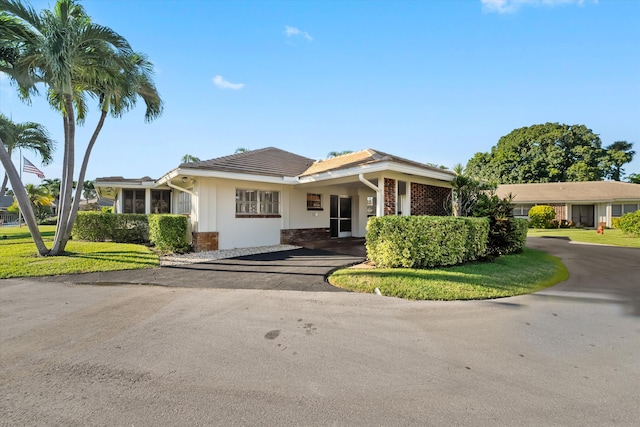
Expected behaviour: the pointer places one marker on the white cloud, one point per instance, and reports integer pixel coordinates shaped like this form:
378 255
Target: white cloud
223 84
296 32
510 6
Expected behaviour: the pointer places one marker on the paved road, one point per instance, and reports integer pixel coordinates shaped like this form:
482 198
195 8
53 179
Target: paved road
79 355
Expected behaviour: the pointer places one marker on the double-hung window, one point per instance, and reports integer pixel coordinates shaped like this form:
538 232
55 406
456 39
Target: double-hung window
257 202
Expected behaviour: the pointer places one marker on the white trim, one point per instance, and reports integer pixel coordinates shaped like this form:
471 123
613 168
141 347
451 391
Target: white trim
378 167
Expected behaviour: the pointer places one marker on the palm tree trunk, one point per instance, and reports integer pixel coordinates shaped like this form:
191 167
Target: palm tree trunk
83 169
3 189
23 200
62 230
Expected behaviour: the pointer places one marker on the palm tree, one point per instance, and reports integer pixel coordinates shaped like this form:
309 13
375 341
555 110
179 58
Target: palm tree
74 58
40 200
338 153
30 136
616 155
188 158
241 150
88 190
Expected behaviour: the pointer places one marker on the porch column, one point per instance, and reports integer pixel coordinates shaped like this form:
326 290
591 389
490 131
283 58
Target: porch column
147 200
390 193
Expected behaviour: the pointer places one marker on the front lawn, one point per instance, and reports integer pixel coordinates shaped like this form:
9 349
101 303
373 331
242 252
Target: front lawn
610 237
505 276
18 255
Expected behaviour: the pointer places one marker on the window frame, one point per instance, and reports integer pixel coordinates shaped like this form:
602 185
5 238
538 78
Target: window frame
254 203
135 201
314 203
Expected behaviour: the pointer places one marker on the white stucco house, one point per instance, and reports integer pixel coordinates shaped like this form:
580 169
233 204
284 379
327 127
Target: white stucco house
585 203
270 196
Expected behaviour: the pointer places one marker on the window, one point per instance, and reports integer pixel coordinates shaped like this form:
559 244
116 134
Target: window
184 203
616 210
314 202
134 201
371 206
521 210
630 208
160 201
257 202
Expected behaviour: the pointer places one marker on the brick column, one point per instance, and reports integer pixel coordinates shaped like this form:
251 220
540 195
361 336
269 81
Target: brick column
389 196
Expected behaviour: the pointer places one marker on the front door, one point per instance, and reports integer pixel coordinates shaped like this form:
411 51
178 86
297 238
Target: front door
340 216
583 215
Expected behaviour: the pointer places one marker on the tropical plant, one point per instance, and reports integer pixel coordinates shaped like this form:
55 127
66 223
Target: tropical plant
74 58
88 190
188 158
41 201
29 136
466 191
338 153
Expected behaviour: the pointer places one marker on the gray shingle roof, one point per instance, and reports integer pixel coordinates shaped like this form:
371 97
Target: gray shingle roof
266 161
592 191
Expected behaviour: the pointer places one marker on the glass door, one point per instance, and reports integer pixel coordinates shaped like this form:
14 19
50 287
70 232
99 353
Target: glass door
340 216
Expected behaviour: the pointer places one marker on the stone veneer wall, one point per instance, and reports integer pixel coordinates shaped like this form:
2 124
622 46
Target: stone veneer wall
429 199
205 241
389 196
292 236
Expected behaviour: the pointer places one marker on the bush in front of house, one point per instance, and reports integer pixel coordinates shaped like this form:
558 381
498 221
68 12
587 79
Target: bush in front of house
629 223
518 236
542 216
507 235
477 238
615 222
121 228
168 233
424 241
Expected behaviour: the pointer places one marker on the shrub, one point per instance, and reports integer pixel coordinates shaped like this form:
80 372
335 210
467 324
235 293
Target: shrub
630 223
424 241
615 222
542 216
121 228
168 233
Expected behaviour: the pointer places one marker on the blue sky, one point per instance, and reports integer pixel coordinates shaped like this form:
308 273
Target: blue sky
433 81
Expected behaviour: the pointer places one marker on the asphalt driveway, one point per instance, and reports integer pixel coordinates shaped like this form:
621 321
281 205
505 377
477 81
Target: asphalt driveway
295 270
77 355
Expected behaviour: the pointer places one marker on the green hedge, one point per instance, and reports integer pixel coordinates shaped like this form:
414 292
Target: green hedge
519 235
93 226
424 241
615 222
168 233
542 216
630 223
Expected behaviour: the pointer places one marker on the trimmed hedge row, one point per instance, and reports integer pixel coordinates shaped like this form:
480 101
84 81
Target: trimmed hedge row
166 232
425 241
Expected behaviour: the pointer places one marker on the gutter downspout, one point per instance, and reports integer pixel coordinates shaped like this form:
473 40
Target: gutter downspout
374 188
184 190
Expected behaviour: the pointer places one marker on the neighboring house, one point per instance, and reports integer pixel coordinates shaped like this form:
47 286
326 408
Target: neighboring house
270 196
585 203
7 217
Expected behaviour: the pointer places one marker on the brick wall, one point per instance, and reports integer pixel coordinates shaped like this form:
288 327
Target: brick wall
300 235
389 196
429 199
205 241
561 211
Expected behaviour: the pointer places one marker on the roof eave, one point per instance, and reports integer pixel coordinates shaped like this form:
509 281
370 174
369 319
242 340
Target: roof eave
377 167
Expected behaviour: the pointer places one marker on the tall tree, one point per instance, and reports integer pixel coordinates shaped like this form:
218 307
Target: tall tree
550 152
616 155
188 158
29 136
634 178
338 153
88 190
73 57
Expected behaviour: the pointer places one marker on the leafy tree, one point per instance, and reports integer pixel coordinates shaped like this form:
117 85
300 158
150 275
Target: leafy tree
634 178
616 155
338 153
74 58
40 199
30 136
188 158
550 152
241 150
88 190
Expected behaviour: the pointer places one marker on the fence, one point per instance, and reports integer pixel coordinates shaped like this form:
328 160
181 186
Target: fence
8 219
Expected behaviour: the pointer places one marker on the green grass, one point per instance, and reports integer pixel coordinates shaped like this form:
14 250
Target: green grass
610 237
19 256
505 276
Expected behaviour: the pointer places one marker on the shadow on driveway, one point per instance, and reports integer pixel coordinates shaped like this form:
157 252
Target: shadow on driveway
295 270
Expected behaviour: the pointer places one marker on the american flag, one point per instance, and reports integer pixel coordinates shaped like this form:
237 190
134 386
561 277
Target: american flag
31 168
